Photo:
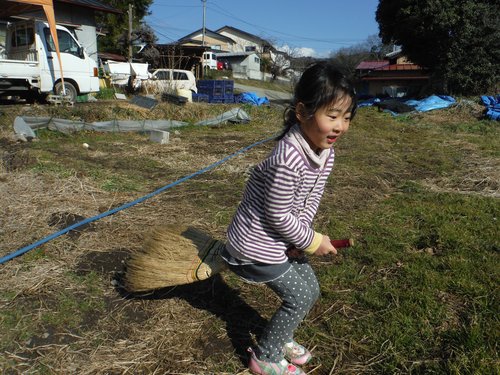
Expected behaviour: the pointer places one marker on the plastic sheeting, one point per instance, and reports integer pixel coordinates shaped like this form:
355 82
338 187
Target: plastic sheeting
492 105
432 102
428 104
120 72
25 125
252 98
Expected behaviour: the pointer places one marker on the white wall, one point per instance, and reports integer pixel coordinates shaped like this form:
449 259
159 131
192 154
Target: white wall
241 43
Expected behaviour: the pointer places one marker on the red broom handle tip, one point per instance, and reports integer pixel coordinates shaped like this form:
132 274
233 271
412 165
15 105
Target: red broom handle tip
347 242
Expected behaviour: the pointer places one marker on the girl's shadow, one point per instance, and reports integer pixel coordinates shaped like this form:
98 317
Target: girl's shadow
215 296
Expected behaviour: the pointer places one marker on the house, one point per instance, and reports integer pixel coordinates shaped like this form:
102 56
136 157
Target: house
273 62
210 39
242 51
395 76
245 65
172 55
185 53
246 42
77 15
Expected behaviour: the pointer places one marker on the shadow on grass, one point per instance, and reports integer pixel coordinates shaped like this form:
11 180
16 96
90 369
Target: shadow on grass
214 295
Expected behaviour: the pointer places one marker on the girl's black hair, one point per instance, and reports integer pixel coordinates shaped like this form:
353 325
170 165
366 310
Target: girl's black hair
319 85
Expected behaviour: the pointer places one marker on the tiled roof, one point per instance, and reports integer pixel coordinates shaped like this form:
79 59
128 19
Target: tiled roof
401 67
210 33
370 65
396 77
245 34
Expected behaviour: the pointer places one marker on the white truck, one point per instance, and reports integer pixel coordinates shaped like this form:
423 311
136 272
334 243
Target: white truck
29 67
209 60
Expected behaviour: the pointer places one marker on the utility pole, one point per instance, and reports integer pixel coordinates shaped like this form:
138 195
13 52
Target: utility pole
203 39
130 32
204 12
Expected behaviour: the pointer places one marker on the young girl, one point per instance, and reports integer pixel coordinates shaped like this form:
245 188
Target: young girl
271 231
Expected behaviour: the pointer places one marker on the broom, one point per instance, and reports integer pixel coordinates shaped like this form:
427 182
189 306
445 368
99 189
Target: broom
176 255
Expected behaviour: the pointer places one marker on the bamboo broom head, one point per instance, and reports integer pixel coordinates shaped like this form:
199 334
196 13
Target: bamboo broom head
173 255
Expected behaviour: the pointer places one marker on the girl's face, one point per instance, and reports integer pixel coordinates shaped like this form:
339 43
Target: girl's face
327 124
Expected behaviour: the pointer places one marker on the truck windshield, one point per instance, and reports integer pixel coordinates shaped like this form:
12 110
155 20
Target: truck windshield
66 42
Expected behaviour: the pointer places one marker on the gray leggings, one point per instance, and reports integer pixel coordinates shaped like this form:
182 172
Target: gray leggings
298 289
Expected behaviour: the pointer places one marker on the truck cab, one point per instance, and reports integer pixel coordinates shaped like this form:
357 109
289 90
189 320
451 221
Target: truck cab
209 60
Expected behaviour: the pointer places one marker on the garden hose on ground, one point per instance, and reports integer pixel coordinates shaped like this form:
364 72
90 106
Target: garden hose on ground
25 249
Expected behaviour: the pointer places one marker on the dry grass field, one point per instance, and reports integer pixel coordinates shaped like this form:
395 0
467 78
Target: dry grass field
417 294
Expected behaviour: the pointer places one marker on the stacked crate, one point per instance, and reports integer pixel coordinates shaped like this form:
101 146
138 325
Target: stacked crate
218 91
199 97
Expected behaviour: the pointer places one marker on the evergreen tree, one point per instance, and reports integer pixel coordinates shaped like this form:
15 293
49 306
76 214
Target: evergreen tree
458 40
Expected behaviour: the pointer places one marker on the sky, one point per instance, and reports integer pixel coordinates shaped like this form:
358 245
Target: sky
306 28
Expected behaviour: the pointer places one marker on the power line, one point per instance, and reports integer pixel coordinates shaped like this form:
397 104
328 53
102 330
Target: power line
212 6
296 37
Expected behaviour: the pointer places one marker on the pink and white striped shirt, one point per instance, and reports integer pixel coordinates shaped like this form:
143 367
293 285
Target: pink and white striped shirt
279 203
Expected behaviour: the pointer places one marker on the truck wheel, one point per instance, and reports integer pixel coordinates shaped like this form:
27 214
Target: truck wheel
71 92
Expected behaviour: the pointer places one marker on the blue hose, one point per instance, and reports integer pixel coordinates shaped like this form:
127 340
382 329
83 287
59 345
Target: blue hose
126 205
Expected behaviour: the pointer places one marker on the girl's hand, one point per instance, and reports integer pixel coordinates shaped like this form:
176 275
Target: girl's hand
326 247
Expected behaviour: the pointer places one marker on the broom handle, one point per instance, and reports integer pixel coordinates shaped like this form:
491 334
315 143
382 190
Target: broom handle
347 242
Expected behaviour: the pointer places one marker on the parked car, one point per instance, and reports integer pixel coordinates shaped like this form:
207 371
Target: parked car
171 80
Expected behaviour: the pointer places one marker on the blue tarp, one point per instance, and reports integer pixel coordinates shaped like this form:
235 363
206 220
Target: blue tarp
368 102
492 105
432 102
428 104
252 98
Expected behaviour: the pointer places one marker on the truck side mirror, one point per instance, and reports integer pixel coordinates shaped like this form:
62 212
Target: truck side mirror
80 52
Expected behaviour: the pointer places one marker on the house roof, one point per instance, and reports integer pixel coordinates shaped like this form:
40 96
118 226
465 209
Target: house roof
396 77
400 67
12 8
111 56
243 33
376 66
233 54
383 70
370 65
210 33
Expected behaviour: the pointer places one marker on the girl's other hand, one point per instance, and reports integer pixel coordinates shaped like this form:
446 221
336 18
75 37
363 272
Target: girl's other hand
326 247
295 253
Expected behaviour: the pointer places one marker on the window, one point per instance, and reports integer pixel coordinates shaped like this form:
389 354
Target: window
163 75
257 60
23 36
250 48
178 76
66 42
395 91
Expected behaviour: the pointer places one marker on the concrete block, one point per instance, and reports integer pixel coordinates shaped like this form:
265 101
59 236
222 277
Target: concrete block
159 136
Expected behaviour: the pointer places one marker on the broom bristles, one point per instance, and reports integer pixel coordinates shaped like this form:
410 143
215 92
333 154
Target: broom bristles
173 256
